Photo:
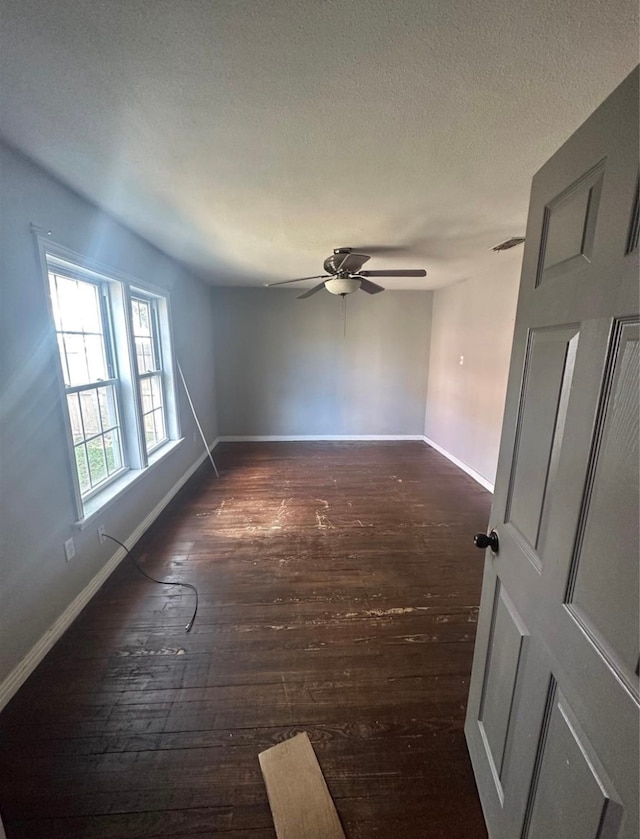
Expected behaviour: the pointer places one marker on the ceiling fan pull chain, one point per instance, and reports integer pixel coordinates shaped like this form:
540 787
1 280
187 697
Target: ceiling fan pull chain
344 315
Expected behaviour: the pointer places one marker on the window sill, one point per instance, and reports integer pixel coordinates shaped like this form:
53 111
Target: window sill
99 503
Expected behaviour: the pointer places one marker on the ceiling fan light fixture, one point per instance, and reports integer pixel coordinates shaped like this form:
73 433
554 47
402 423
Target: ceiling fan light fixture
342 285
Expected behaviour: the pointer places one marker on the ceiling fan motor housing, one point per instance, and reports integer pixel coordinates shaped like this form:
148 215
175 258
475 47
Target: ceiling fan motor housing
344 263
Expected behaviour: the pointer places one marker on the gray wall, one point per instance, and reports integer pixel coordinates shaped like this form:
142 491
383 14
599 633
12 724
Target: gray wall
465 403
36 505
284 366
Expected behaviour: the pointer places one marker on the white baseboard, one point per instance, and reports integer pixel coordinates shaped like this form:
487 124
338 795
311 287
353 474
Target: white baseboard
25 668
295 438
471 472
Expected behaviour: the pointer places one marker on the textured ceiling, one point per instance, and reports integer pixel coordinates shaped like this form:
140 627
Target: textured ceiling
248 138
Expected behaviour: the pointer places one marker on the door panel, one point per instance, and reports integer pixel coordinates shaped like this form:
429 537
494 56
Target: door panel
552 719
603 587
507 639
571 795
569 225
548 373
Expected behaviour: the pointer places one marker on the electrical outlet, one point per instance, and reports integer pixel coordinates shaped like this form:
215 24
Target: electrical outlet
69 549
101 537
461 360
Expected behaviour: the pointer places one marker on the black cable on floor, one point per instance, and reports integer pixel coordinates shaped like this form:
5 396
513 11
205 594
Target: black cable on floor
160 582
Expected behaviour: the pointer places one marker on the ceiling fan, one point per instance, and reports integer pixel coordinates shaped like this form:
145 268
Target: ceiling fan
345 275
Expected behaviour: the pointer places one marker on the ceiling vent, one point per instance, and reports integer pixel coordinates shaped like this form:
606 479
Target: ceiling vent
508 243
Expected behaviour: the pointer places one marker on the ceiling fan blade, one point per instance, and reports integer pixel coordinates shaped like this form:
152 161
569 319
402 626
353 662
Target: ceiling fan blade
402 272
310 292
298 280
345 263
369 287
382 250
353 262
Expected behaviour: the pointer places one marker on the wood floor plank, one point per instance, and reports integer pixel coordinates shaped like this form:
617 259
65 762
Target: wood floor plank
339 591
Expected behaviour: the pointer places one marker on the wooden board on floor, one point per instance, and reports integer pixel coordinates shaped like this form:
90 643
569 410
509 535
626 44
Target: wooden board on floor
300 801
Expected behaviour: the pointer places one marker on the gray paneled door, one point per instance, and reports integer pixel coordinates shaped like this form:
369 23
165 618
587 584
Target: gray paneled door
552 720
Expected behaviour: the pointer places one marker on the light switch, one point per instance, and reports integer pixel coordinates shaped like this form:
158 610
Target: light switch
69 549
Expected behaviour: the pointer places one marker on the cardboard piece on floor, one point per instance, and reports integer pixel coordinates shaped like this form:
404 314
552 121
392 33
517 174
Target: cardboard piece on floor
301 805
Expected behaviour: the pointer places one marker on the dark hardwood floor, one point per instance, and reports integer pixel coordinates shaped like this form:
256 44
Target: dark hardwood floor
339 589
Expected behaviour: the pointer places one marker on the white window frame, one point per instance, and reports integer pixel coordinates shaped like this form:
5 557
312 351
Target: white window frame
55 269
158 373
120 288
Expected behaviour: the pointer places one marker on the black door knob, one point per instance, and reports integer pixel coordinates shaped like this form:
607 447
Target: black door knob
481 540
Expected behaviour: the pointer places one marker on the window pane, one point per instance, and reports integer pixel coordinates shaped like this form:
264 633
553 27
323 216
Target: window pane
76 359
96 360
90 412
113 451
154 429
156 391
97 457
88 302
63 359
55 302
135 316
77 315
149 431
68 312
145 396
97 461
77 305
108 407
82 467
73 404
141 312
159 421
145 356
85 358
143 332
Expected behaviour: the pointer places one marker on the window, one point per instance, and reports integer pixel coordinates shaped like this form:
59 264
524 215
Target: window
81 318
115 356
144 316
